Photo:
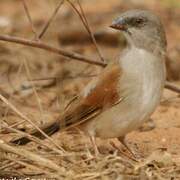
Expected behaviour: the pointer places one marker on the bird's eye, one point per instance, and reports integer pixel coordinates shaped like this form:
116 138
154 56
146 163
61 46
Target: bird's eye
139 20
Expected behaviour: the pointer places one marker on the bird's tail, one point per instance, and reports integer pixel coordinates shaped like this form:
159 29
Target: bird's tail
49 129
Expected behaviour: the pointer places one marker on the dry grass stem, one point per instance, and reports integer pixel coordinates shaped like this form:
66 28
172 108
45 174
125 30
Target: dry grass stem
27 119
31 156
83 18
36 170
50 19
29 18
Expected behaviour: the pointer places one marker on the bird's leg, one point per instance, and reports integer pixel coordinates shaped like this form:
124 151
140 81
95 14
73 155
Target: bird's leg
93 141
122 140
117 144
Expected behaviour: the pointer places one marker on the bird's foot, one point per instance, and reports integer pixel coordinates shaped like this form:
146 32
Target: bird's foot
126 152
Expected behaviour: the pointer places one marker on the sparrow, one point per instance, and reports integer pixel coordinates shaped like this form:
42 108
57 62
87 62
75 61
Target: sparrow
127 91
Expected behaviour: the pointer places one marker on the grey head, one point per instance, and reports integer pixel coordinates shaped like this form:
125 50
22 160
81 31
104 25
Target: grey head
142 29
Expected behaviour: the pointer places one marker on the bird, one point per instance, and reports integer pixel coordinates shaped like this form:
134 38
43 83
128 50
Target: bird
127 91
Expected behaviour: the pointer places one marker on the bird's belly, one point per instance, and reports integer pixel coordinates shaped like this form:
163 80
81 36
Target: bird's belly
120 119
114 122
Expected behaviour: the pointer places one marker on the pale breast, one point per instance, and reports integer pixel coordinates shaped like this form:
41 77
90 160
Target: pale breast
141 87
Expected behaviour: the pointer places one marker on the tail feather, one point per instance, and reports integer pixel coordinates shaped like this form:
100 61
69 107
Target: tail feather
48 129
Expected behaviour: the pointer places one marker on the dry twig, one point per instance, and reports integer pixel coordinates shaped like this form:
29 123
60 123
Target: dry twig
50 20
30 156
29 18
47 47
83 18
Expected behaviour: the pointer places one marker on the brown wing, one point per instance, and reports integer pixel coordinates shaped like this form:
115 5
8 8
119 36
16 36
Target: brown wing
100 94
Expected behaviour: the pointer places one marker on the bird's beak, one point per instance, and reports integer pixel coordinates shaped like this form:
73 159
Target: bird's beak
119 25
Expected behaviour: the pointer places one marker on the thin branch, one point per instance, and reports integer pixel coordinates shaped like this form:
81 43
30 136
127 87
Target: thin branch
50 20
79 14
172 87
86 25
40 45
29 18
90 32
68 54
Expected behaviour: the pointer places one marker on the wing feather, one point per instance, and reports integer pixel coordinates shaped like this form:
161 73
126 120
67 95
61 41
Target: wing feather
100 94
